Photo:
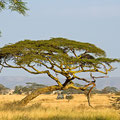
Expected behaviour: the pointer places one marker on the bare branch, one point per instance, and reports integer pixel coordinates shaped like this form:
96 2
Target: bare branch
37 72
54 78
83 79
74 53
1 68
33 68
88 94
11 66
93 77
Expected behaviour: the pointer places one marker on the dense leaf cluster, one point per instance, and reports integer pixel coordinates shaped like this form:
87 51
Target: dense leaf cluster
60 50
14 5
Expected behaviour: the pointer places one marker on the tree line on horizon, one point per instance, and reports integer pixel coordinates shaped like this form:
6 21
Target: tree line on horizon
29 87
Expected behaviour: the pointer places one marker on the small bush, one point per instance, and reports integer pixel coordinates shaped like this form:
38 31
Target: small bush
117 93
115 101
69 97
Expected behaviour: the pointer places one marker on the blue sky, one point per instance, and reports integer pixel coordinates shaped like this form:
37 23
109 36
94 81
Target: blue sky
94 21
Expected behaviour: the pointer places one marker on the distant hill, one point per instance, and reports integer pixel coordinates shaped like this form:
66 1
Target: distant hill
12 81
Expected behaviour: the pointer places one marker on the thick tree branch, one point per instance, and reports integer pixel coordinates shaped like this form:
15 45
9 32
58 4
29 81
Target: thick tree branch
54 78
68 80
37 72
39 91
88 94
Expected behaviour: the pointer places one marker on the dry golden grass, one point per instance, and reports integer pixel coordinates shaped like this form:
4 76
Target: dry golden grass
46 107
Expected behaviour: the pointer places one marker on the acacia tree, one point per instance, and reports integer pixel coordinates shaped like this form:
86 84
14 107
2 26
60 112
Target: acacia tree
54 57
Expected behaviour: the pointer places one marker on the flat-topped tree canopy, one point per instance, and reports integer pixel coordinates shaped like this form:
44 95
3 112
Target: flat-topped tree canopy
60 55
57 49
75 45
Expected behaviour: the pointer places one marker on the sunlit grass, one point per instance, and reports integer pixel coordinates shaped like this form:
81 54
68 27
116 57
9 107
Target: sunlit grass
46 107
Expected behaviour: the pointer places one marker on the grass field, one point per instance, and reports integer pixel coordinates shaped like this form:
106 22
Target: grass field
46 107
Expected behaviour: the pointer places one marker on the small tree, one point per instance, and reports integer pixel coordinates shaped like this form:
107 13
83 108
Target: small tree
18 90
69 97
115 101
57 56
109 89
27 89
3 89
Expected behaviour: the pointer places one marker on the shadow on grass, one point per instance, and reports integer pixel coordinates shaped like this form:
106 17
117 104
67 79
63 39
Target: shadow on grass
14 106
62 118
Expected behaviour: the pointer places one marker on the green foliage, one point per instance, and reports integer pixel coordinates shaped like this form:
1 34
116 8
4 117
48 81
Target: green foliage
69 97
14 5
28 88
115 101
18 89
3 89
80 46
2 4
57 49
109 89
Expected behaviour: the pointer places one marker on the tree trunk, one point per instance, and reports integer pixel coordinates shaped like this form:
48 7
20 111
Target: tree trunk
37 92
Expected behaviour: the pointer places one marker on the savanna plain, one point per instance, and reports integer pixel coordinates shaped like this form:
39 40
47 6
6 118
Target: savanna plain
47 107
